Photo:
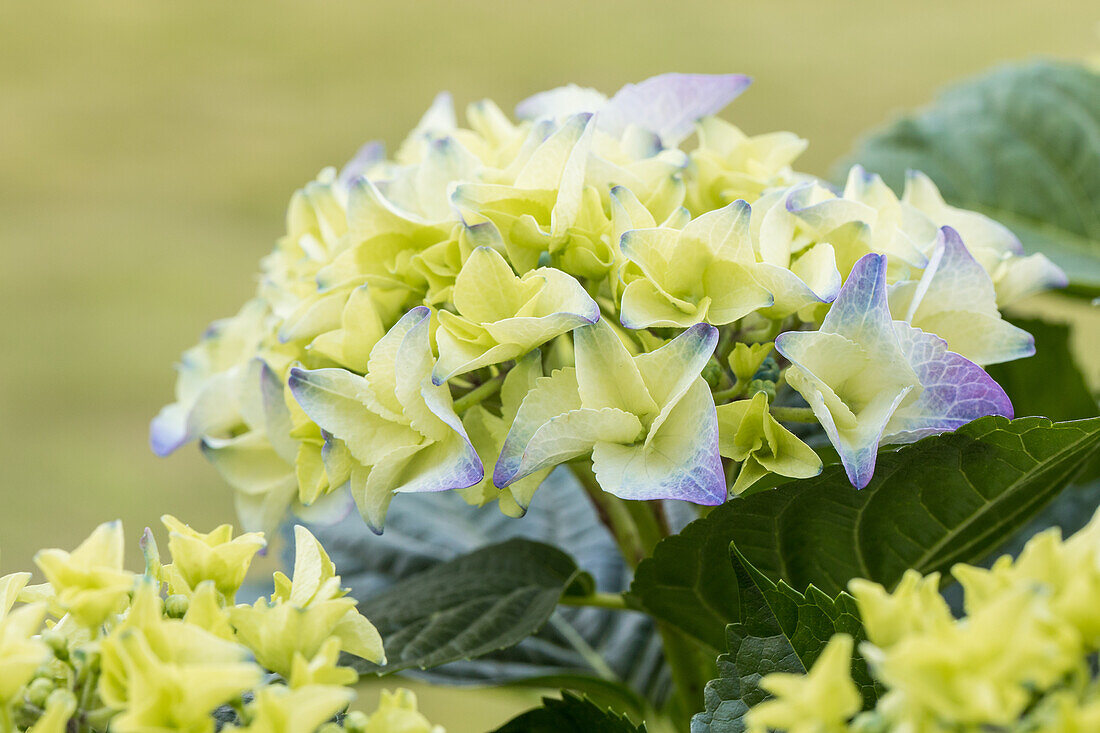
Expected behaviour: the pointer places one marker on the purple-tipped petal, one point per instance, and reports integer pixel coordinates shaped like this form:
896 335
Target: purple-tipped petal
670 104
956 390
861 311
364 159
168 430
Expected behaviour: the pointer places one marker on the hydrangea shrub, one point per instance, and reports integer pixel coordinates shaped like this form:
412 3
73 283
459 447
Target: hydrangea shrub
769 393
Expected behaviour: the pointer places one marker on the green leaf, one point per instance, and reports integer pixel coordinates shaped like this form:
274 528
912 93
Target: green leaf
571 714
1049 383
1021 145
490 599
945 499
781 630
424 530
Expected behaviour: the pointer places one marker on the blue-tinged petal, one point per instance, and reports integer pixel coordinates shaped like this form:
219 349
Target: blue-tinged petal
1019 277
332 398
553 161
451 463
956 390
384 363
956 300
670 371
550 397
680 462
214 410
670 104
364 159
861 311
570 435
856 443
426 406
276 421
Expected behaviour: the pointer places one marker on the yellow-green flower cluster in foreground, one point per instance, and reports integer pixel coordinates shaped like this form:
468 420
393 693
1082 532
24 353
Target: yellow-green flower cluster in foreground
1018 662
98 647
504 297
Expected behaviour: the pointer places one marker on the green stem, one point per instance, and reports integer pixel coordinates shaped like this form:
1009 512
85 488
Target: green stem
725 395
479 393
614 601
690 674
793 414
613 513
637 527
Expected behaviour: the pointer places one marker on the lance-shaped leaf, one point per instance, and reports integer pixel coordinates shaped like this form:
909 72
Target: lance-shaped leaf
859 374
702 273
502 317
955 299
487 600
648 420
778 630
399 428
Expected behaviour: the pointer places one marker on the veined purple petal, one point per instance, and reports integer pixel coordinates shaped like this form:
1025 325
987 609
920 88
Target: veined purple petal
861 311
956 390
670 104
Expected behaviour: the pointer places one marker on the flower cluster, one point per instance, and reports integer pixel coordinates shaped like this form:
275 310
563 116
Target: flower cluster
98 647
1018 661
501 298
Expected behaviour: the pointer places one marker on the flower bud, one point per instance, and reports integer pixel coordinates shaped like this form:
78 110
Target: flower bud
55 670
38 691
57 642
768 370
356 721
762 385
175 606
712 372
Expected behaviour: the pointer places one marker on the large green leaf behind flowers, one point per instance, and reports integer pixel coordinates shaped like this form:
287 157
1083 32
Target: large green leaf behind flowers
1020 144
945 499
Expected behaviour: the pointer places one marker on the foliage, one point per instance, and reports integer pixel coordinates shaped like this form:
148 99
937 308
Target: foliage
949 498
780 631
571 714
489 599
1017 661
578 648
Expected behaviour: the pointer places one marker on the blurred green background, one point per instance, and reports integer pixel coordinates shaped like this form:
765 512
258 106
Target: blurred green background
147 151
